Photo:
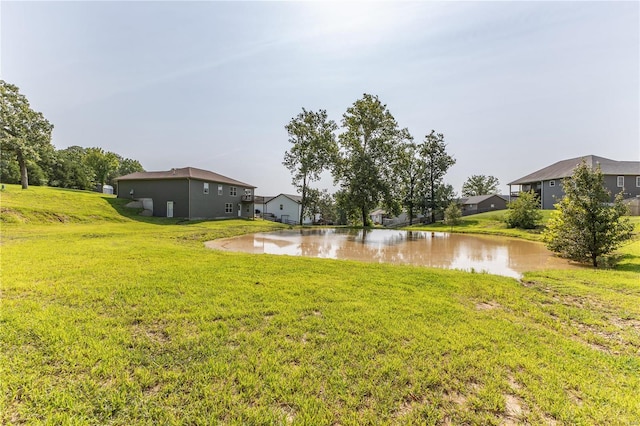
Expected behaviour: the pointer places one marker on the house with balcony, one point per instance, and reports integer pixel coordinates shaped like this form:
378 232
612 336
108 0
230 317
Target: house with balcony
189 193
619 176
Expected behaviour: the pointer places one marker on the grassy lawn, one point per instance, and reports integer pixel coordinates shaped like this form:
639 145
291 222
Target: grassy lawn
491 223
111 318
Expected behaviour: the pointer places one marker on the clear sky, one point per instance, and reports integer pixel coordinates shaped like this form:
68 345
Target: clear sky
513 86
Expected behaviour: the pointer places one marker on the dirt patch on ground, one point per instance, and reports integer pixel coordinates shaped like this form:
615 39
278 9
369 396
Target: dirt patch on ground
486 306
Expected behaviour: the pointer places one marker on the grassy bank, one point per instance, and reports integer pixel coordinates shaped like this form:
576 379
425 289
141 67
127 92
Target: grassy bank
108 317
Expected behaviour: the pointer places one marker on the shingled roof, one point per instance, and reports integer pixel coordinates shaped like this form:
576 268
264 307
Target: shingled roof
563 169
184 173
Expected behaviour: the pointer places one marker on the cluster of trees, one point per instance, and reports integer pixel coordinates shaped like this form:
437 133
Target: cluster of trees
373 161
26 152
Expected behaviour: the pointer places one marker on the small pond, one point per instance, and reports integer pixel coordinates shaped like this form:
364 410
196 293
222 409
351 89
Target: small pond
495 255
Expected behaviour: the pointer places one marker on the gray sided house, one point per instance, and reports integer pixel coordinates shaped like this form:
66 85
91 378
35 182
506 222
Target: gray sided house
189 193
619 176
482 203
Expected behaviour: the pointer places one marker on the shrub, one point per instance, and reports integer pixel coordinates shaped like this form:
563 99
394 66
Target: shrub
524 212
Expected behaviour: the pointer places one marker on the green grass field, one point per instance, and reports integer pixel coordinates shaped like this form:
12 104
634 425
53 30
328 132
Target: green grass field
112 318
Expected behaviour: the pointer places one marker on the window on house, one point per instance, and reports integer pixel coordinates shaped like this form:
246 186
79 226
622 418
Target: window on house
637 181
620 181
205 188
233 191
281 206
552 183
247 192
228 208
219 189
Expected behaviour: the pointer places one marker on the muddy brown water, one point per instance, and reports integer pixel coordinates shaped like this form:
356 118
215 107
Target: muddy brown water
495 255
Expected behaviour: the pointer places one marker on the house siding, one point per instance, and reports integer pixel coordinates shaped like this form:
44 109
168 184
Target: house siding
630 190
189 199
212 205
161 191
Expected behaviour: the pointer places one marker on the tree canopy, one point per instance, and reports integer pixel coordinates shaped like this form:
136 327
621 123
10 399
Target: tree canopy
480 185
367 169
585 225
314 150
23 132
436 163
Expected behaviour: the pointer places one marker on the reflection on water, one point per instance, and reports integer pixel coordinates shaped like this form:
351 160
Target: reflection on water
501 256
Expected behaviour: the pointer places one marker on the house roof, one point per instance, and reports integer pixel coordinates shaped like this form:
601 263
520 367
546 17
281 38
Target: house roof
477 199
563 169
184 173
294 198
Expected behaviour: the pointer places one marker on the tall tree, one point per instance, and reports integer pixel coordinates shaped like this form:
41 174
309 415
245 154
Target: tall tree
367 170
436 162
314 150
586 226
102 163
411 169
480 185
23 131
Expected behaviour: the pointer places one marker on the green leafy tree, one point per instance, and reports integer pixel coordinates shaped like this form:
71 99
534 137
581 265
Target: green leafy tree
411 170
314 150
70 169
23 132
326 206
367 169
586 226
524 212
480 185
452 214
102 163
436 163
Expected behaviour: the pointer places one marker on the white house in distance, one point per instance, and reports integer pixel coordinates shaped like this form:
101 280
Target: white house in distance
286 209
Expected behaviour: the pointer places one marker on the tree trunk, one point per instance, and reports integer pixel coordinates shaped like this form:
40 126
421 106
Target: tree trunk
24 177
594 258
364 216
410 214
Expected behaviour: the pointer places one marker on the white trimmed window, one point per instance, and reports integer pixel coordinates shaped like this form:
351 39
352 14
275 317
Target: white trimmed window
620 181
219 189
281 206
205 188
552 183
637 181
233 191
228 207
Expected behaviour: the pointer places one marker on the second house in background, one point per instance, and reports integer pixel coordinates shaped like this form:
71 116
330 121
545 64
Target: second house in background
286 208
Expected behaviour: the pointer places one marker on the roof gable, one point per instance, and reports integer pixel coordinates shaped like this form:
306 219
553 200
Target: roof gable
294 198
184 173
563 169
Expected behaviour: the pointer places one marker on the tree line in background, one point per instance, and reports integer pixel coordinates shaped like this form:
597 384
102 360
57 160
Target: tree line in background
374 162
27 155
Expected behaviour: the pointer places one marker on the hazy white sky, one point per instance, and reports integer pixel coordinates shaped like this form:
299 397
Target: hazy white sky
513 86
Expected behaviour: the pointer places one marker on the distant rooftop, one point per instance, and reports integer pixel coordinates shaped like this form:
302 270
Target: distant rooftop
563 169
184 173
